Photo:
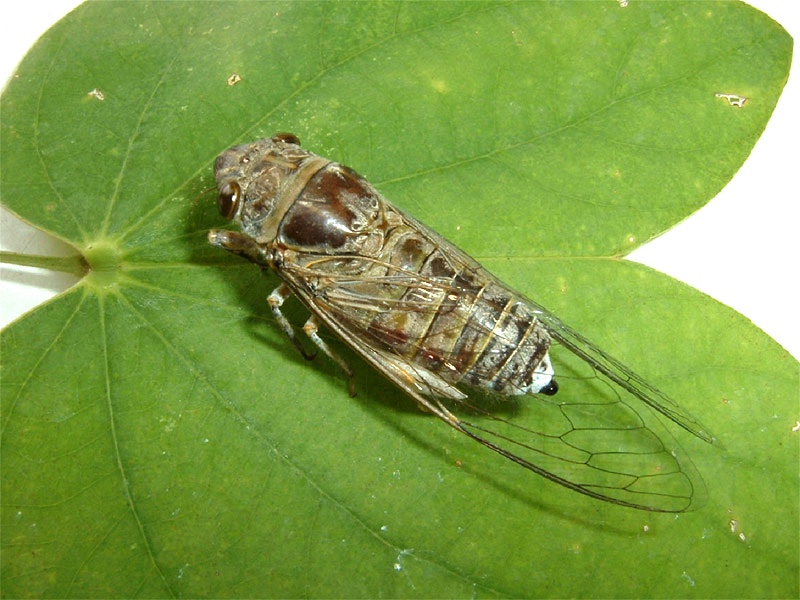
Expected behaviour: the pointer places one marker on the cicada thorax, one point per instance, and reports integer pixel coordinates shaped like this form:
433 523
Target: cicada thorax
399 286
279 193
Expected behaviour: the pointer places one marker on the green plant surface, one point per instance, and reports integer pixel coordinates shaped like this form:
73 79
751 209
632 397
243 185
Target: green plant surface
161 437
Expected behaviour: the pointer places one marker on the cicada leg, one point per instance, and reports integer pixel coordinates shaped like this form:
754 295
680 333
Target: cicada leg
276 300
310 328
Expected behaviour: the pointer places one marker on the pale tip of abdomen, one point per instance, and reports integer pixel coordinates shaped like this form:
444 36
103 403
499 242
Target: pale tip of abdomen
543 380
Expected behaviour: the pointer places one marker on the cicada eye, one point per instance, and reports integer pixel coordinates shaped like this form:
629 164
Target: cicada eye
228 199
286 138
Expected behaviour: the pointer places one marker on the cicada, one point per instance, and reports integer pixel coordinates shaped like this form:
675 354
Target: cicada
444 330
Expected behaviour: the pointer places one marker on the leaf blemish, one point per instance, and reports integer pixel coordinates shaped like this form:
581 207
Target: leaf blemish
398 565
733 99
440 86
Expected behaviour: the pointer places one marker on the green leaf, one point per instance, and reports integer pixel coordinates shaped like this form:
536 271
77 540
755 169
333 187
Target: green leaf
160 437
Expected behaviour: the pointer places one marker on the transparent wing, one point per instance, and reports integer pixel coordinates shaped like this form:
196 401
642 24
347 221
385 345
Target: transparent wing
620 374
589 437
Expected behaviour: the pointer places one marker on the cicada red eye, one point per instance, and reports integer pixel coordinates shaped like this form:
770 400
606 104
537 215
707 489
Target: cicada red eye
286 138
228 199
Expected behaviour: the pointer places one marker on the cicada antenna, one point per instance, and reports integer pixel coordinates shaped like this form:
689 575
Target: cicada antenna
203 192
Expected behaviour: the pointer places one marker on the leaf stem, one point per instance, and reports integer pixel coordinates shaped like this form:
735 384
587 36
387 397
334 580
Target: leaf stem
75 265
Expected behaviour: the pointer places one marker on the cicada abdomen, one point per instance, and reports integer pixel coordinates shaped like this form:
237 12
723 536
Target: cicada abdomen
451 317
433 321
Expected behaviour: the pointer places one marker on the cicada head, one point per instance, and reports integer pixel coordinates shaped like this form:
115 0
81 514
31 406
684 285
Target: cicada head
251 178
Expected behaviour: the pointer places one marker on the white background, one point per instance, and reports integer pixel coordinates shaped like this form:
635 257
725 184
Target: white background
742 248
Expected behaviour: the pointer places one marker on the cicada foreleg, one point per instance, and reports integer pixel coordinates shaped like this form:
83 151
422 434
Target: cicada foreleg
276 300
